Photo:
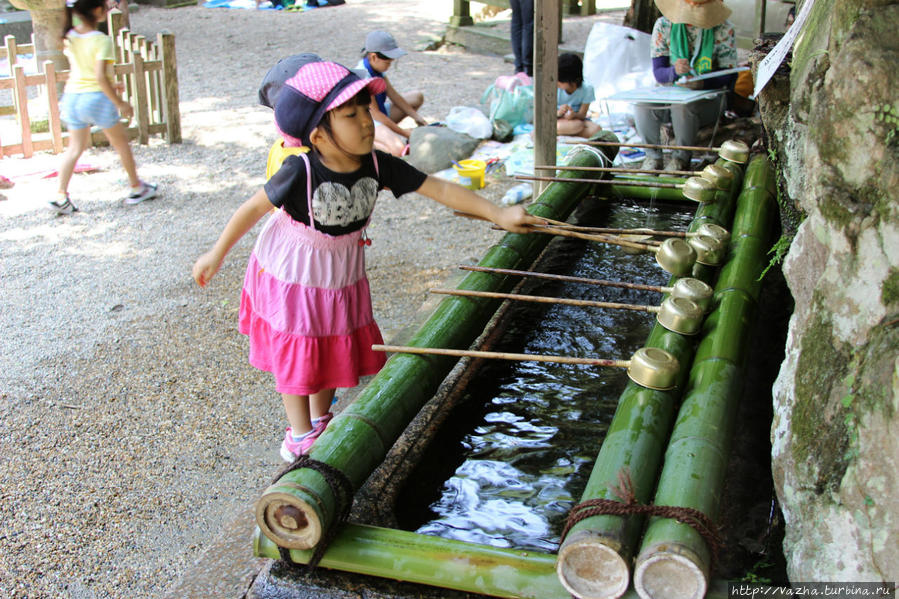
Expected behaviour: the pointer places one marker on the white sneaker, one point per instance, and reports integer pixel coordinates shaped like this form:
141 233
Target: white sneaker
63 205
147 192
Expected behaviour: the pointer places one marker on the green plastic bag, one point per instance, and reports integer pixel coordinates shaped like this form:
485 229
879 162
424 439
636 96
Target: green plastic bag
514 106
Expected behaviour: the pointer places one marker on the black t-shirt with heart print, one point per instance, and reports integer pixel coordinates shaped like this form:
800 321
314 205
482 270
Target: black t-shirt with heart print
341 202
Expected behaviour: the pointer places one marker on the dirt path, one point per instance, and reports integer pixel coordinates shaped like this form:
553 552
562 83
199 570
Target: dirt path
132 430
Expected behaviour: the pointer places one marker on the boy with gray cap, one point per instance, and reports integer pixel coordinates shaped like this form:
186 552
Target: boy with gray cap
389 107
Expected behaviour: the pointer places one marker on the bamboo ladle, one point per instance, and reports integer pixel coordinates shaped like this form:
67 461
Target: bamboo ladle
677 314
710 229
692 289
649 367
674 255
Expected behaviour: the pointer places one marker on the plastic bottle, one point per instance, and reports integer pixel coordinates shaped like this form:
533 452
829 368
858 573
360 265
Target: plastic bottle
517 194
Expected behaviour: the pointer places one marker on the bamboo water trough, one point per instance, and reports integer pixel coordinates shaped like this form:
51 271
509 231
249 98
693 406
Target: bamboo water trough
635 437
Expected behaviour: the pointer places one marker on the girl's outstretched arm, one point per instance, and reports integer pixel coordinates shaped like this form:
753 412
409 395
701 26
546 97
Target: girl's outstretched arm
243 219
510 218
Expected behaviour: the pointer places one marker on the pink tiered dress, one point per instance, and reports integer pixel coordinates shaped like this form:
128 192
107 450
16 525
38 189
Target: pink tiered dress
306 306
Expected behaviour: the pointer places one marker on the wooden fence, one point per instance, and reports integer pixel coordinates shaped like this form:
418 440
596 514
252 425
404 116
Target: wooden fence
150 74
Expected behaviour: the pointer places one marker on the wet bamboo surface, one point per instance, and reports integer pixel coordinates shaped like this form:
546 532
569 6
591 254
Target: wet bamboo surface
674 560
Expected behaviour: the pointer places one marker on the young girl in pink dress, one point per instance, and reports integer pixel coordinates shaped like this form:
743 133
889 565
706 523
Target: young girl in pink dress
306 304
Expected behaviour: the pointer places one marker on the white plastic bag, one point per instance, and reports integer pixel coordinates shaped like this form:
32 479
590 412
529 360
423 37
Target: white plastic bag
469 120
617 59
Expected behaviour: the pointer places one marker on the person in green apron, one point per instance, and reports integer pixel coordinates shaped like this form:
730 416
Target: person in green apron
692 37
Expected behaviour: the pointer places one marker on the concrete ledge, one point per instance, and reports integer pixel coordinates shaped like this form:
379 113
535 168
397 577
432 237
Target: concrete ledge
486 39
18 24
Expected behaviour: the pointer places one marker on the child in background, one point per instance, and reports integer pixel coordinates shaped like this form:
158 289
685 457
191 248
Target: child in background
392 107
573 99
305 303
91 98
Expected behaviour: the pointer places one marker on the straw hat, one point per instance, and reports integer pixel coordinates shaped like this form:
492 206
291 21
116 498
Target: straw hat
699 13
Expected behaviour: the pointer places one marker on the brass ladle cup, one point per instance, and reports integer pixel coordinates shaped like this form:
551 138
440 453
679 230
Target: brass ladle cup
698 292
734 151
717 175
649 367
709 251
711 230
675 255
699 190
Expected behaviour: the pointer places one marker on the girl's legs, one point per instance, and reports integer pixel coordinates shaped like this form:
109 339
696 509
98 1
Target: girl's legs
302 409
78 141
577 127
118 139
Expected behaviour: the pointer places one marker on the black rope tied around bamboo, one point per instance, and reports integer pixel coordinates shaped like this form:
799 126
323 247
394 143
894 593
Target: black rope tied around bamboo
343 492
628 505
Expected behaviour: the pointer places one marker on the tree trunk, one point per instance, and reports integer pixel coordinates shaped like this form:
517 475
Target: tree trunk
642 15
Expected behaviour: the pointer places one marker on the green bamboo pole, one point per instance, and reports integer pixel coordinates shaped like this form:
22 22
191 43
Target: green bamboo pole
594 559
663 194
435 561
674 559
296 509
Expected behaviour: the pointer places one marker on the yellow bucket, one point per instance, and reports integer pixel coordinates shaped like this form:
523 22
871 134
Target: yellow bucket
471 173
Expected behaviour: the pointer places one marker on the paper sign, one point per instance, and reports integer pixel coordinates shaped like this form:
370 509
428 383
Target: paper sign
772 61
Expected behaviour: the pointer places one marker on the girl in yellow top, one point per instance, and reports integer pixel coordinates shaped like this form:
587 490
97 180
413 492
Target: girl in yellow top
91 98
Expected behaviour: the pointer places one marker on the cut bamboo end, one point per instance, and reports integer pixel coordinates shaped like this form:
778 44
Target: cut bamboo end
286 519
590 568
670 571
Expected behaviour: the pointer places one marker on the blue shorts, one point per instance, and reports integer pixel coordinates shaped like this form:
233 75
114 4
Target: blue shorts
80 111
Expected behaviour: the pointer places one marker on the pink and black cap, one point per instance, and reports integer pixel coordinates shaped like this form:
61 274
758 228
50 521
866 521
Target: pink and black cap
317 88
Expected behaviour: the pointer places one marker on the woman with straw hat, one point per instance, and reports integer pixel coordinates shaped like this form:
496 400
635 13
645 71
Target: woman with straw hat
692 37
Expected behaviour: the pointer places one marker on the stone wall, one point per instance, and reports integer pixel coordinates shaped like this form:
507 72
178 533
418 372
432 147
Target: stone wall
833 126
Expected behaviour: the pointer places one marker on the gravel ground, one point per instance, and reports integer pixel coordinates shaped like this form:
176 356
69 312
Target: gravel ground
132 430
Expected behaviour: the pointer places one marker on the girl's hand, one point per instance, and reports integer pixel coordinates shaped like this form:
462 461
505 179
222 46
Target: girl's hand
516 219
563 110
205 268
125 110
119 87
681 66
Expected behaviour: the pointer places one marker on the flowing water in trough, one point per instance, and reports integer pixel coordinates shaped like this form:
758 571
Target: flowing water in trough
515 457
